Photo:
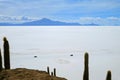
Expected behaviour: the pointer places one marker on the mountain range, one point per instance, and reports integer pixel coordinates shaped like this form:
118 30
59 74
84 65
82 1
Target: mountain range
46 22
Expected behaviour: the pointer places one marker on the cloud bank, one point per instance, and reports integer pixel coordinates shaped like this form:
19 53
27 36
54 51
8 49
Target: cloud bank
109 21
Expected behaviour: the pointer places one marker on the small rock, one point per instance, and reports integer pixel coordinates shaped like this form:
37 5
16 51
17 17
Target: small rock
35 56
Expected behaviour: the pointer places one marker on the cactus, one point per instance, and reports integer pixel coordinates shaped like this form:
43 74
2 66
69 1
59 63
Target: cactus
0 61
86 67
51 73
55 72
48 70
108 77
6 54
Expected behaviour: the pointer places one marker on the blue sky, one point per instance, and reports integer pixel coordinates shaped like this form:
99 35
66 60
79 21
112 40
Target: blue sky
62 10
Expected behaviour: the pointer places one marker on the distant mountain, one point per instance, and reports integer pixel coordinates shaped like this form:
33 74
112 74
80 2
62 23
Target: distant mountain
46 22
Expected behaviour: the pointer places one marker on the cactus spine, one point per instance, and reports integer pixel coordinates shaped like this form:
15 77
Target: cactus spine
86 67
108 77
0 61
6 53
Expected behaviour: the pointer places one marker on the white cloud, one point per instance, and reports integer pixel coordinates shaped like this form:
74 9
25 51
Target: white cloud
14 19
101 21
113 18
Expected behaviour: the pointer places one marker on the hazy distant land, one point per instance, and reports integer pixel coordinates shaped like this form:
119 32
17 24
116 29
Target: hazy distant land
45 22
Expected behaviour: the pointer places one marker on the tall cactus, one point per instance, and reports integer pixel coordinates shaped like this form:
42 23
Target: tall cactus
6 53
48 70
86 67
108 77
0 61
55 72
